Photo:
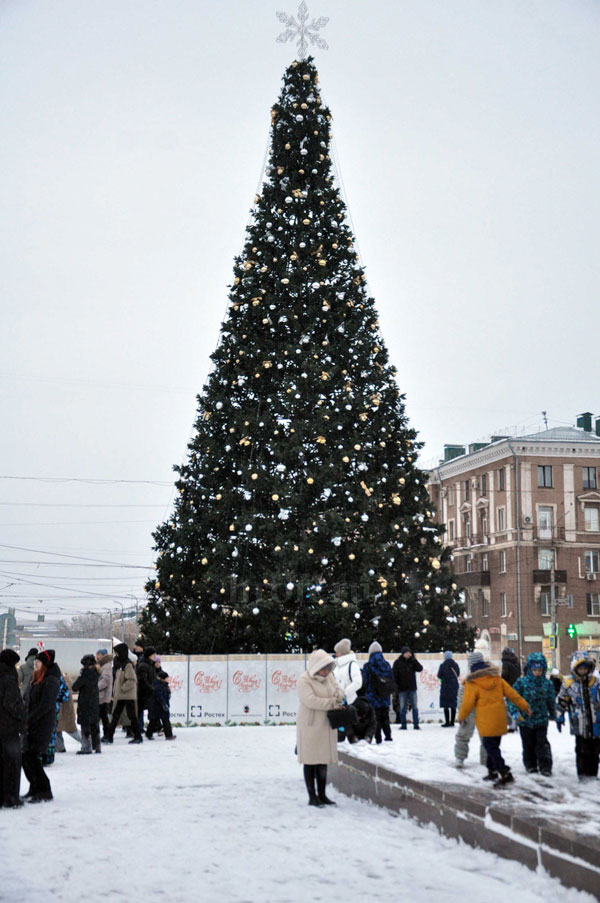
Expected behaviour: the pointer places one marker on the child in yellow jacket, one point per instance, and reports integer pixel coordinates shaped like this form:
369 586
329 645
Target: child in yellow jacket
485 691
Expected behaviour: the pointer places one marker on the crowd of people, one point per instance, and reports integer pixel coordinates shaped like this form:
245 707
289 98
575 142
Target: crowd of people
339 701
37 707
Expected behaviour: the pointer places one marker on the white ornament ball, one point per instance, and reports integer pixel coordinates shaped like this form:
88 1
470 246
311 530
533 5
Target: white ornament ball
248 528
290 585
219 405
255 611
214 606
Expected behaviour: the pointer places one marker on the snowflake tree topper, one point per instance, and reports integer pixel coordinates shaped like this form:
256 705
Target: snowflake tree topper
299 30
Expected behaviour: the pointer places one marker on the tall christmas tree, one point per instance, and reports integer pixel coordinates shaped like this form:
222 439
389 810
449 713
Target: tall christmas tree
301 516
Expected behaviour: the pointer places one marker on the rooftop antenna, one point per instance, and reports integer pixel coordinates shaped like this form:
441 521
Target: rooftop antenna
545 416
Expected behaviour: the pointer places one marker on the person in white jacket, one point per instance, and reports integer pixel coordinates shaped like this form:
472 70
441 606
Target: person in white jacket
347 670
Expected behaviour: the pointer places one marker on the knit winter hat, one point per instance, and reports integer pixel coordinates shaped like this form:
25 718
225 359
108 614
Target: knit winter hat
101 651
473 658
447 654
157 659
141 642
33 651
343 647
9 657
374 647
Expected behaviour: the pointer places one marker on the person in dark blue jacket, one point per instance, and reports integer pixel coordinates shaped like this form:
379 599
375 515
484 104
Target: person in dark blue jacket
88 706
377 686
448 674
158 712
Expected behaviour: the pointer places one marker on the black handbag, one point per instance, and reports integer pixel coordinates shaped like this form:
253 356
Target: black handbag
383 686
344 717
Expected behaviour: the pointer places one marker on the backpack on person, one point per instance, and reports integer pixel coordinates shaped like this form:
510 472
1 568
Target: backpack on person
383 686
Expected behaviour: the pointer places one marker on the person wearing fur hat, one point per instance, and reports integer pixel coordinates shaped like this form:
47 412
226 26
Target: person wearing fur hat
485 692
145 673
466 728
12 725
105 684
580 697
347 670
316 741
26 670
538 691
405 670
378 683
88 705
124 694
40 702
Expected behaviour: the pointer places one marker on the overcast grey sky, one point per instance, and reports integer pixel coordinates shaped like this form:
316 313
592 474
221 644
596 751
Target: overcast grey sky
133 136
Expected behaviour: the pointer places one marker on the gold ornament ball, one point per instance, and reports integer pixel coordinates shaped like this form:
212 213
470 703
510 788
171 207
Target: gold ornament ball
275 497
310 481
255 476
205 561
351 556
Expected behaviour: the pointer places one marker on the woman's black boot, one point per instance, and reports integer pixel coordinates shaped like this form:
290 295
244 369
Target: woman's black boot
321 782
310 773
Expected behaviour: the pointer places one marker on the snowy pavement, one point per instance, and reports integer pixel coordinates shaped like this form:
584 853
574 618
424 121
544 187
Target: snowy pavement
220 815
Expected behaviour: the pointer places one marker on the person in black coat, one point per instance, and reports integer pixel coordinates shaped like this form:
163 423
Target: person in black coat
12 725
405 669
158 713
88 706
40 702
511 667
448 674
145 673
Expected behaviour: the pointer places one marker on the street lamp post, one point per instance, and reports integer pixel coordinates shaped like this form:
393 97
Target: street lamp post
122 621
553 605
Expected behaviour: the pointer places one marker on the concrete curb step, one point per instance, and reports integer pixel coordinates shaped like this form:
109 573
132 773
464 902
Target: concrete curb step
480 818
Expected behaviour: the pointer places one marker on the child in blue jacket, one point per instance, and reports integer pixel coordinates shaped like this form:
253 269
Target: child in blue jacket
535 687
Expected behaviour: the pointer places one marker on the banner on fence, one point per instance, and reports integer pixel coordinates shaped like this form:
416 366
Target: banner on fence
250 689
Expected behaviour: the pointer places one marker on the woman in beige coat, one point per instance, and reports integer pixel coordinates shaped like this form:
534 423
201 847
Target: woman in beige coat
318 692
66 720
124 694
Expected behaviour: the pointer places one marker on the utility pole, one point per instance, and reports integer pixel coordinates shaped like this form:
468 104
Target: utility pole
553 604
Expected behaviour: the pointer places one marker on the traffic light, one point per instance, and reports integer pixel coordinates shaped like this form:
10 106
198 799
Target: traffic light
572 630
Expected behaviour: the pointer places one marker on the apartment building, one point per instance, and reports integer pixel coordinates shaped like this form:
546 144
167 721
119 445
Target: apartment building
522 516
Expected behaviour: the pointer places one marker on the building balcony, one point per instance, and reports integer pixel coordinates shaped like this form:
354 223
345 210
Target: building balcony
547 535
474 578
468 542
543 576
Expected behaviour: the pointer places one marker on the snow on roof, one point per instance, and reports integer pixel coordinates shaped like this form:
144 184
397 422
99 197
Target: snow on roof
562 434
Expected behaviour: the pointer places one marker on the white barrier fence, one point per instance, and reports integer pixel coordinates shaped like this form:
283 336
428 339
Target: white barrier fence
238 689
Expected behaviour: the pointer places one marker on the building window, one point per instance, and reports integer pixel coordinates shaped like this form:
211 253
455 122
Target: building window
502 562
484 483
503 607
501 520
485 606
592 519
469 566
544 476
467 485
545 559
592 559
545 522
593 604
501 480
545 600
451 528
469 606
589 477
467 526
484 563
451 495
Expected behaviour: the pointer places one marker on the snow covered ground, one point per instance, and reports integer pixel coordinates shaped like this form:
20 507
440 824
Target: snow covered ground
429 755
221 815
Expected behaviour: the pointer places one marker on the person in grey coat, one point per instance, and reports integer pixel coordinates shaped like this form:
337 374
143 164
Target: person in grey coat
105 687
25 672
466 728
